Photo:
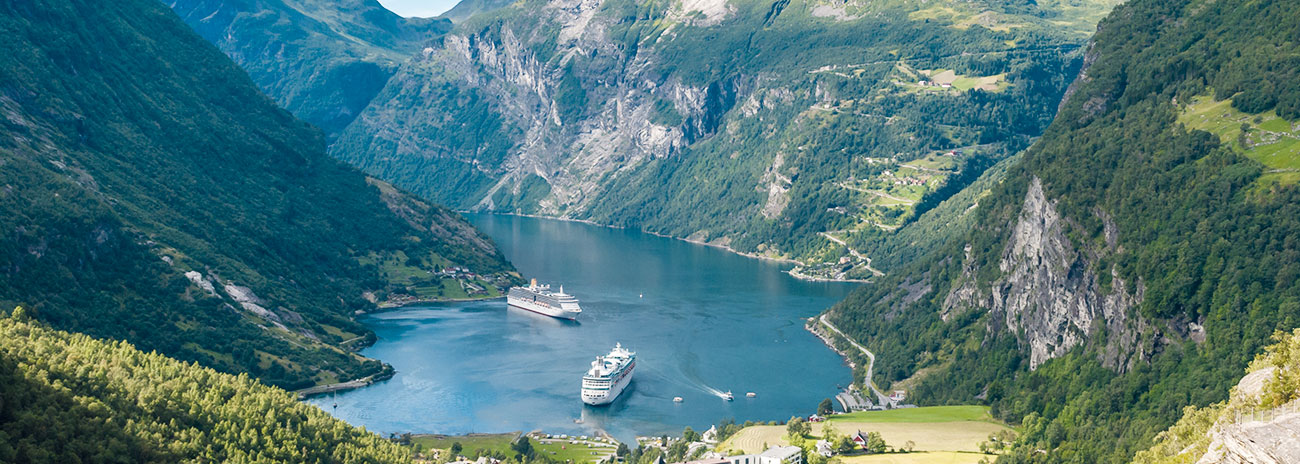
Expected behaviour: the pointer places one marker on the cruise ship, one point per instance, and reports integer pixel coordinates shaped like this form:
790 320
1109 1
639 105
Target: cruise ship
608 376
540 299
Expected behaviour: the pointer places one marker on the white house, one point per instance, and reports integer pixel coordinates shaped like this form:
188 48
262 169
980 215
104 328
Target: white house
710 435
784 455
824 448
773 455
898 396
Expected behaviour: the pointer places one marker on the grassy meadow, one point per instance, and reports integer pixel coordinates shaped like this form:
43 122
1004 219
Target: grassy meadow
939 434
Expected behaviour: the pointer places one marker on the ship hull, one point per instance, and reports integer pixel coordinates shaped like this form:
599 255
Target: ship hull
595 398
540 309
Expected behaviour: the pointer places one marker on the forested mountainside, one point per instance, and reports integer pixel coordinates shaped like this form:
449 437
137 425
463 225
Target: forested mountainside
323 60
149 192
1138 255
72 398
774 127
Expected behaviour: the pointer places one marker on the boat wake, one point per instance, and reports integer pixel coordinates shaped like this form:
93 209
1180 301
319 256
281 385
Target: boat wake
713 391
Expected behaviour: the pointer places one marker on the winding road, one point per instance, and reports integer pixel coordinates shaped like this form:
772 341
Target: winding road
855 255
870 364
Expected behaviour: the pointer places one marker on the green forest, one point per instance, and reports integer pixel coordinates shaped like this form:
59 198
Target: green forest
1148 200
72 398
132 152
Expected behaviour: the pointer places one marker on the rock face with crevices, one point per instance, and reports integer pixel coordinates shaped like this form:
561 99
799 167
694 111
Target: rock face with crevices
1050 297
737 123
1274 442
566 117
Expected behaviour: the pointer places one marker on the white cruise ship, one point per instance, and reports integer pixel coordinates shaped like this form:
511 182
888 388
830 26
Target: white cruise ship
608 376
540 299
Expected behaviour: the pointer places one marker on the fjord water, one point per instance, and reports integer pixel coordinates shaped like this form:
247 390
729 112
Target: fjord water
701 320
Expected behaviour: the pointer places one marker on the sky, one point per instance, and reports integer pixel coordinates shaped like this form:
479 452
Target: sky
421 8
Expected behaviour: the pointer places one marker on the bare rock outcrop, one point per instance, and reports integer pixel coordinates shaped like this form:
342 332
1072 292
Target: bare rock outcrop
1264 437
1276 441
1051 298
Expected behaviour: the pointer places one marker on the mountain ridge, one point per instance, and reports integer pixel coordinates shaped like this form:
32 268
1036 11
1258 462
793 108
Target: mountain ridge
1129 265
323 61
517 113
151 193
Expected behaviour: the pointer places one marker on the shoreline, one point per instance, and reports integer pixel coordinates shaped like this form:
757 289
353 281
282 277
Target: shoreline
813 325
388 305
684 239
353 384
809 278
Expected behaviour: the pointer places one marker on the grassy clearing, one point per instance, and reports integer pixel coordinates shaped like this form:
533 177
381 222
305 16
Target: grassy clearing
926 414
1269 139
936 162
962 20
418 279
561 450
581 452
935 457
491 442
950 429
755 439
395 269
908 78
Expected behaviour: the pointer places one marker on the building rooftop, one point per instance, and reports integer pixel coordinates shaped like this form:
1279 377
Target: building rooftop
708 461
782 452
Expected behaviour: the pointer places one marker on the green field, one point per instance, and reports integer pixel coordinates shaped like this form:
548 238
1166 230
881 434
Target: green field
491 442
926 414
930 457
560 450
565 451
420 281
945 433
1273 141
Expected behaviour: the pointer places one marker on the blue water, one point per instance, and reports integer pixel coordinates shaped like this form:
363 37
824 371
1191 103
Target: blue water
701 320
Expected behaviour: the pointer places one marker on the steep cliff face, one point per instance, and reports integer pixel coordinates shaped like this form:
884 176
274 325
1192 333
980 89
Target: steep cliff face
754 124
1049 295
574 106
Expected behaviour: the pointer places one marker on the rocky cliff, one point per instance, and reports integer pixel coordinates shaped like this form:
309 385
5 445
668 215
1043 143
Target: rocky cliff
1049 294
753 124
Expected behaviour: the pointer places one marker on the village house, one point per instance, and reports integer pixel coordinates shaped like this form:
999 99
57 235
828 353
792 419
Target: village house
860 438
773 455
824 448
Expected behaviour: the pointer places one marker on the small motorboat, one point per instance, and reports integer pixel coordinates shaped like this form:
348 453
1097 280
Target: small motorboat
728 396
677 399
750 395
